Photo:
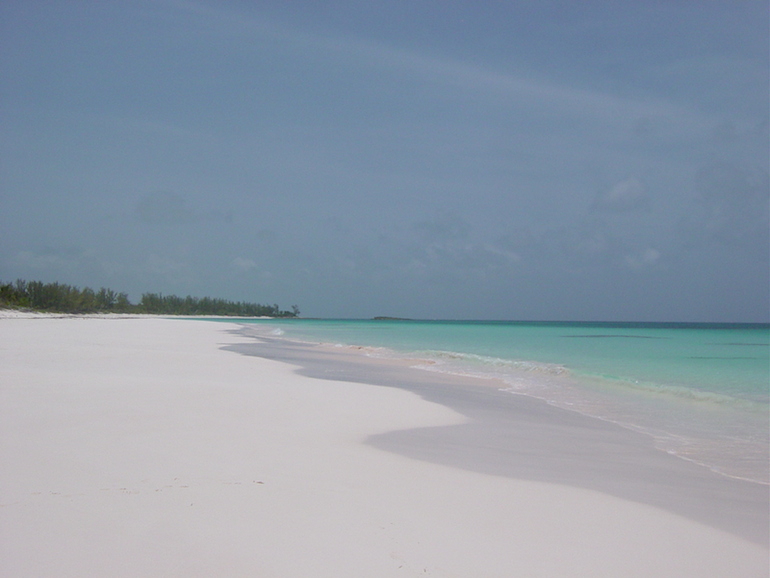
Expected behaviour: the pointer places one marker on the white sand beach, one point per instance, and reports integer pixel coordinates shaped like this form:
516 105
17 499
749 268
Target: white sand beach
139 447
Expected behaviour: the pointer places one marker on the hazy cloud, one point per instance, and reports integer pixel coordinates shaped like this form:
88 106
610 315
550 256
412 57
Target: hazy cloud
244 265
627 195
648 257
172 209
165 209
447 227
47 260
731 206
169 269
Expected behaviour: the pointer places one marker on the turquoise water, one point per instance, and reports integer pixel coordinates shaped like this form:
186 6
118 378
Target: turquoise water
702 391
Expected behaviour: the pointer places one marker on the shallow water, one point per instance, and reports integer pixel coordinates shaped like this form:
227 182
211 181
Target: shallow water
701 390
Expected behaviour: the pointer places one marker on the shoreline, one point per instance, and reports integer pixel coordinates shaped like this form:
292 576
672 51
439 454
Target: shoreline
677 425
148 447
493 412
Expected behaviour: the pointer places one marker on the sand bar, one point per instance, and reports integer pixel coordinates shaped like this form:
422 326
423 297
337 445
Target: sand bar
151 447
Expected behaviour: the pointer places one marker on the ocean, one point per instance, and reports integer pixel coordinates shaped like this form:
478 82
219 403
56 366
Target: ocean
701 391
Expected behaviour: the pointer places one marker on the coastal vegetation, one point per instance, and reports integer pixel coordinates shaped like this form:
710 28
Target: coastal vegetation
63 298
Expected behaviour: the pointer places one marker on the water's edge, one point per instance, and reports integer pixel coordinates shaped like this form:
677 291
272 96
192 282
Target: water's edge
524 438
728 434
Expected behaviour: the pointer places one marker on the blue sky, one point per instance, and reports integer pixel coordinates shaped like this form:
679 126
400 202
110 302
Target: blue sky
508 160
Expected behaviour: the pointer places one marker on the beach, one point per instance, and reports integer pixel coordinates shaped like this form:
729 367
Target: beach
170 447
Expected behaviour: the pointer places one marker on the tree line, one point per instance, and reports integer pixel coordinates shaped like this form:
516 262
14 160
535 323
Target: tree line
63 298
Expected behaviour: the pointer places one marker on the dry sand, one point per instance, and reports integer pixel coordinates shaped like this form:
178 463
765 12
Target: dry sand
140 447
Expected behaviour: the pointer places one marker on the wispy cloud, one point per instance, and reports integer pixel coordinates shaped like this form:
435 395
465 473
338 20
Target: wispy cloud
243 264
172 209
49 260
731 207
627 195
646 258
523 87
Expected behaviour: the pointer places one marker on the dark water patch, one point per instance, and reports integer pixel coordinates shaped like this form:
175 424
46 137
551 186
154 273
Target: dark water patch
609 336
744 344
722 358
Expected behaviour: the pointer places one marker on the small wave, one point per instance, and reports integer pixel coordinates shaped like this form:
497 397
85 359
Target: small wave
678 392
477 362
740 457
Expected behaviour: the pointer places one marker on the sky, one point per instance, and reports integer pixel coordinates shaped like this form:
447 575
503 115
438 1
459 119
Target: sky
454 159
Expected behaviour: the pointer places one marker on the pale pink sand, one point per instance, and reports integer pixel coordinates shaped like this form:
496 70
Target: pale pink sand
136 447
